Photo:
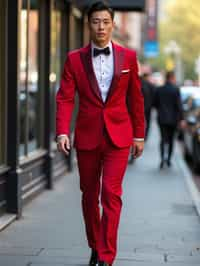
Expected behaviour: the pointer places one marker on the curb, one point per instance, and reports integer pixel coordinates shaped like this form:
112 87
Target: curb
6 220
189 181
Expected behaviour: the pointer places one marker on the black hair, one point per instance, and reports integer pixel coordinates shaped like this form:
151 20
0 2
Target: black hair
145 75
169 75
99 6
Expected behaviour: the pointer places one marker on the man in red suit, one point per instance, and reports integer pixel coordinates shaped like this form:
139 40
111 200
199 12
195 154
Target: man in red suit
105 75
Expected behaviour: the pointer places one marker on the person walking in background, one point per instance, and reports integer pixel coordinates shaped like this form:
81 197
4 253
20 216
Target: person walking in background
103 74
148 91
169 111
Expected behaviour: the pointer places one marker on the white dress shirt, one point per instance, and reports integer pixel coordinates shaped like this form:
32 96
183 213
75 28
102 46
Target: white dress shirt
103 66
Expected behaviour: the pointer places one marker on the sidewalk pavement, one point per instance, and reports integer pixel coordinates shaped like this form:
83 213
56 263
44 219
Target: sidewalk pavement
159 223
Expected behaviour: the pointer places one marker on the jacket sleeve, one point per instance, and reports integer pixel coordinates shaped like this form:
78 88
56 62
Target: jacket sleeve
65 99
136 101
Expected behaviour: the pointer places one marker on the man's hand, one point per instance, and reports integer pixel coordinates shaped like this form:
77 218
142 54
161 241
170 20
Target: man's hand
138 148
63 144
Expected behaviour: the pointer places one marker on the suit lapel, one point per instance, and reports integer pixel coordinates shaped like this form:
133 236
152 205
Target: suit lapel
86 59
118 65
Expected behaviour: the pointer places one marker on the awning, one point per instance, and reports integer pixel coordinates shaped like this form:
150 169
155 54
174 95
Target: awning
120 5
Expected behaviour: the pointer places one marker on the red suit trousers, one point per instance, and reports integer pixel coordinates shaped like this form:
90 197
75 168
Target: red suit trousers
101 174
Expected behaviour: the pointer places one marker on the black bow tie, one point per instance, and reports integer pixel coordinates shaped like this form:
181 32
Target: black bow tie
97 51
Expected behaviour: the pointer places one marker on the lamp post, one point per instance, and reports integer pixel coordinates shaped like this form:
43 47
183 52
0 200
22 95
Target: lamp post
197 68
174 50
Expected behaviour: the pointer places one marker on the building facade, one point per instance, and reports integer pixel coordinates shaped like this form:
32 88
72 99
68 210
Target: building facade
34 38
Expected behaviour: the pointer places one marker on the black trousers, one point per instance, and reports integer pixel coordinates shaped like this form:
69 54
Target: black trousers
167 133
148 120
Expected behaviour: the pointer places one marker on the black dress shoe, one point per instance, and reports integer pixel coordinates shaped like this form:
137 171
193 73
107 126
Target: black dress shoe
169 163
162 164
103 263
93 258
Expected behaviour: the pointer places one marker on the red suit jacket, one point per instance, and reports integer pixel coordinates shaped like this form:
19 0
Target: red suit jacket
122 124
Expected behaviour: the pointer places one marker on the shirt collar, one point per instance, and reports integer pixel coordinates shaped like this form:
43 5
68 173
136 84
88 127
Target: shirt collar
93 45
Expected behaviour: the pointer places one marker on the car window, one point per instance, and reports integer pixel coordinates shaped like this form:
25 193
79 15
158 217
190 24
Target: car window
196 102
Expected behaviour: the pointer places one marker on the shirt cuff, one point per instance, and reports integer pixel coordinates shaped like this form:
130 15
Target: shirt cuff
60 136
138 139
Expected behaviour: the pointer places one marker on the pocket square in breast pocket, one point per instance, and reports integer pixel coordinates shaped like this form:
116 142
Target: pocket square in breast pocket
125 71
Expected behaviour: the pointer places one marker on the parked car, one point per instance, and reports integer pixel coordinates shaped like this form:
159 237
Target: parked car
192 130
186 93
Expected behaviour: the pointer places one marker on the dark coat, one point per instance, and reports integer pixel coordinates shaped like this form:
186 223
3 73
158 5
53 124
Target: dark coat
148 91
168 104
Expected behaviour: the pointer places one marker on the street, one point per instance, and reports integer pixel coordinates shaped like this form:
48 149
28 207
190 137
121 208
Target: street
159 223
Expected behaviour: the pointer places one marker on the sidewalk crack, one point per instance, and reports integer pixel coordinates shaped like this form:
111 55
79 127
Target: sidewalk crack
39 252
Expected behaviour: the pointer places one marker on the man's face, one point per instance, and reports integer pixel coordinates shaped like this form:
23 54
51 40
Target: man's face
101 26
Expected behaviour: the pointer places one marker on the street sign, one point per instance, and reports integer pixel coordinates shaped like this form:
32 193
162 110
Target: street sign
150 37
151 49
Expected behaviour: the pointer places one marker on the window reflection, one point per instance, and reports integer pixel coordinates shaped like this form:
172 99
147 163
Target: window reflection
23 76
55 59
33 88
28 78
78 33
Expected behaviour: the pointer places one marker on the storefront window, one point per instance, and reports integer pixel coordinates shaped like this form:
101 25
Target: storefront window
23 76
76 26
33 75
76 41
30 100
2 83
78 32
55 59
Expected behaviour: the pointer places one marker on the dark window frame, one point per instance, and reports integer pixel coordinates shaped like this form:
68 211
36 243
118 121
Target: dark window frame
3 97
